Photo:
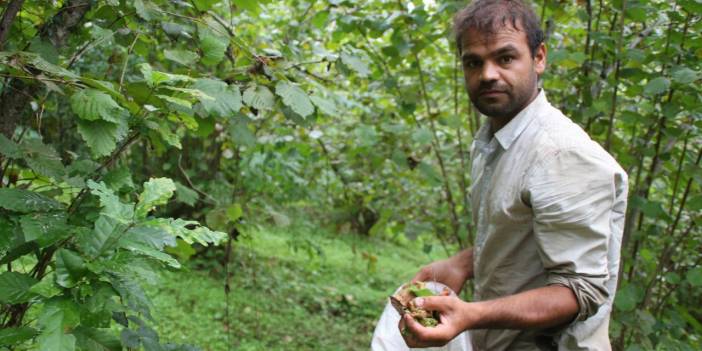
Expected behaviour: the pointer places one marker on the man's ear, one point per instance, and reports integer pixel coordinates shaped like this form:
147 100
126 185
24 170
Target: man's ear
540 59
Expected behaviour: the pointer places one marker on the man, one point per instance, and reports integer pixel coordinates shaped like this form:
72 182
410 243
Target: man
548 204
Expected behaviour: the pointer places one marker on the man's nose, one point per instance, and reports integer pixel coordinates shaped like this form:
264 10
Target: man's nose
489 72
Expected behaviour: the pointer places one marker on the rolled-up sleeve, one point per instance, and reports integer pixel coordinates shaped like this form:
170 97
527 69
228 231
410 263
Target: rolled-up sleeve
572 196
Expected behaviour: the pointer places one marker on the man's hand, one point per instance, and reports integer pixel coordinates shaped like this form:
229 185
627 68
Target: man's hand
454 320
453 271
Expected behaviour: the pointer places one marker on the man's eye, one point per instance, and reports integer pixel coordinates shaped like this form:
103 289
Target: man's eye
506 59
471 64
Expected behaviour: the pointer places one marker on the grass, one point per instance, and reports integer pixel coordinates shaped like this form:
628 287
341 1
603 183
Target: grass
291 289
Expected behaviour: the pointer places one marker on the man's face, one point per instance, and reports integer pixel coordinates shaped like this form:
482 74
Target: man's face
501 74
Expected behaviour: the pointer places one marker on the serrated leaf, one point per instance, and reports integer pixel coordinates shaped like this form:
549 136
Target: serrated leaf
131 292
685 75
422 136
93 339
156 78
189 231
9 148
102 136
175 100
186 195
26 201
355 63
56 318
241 134
225 99
146 9
627 298
327 106
103 238
70 268
14 287
295 98
694 276
112 207
213 47
657 86
156 192
183 57
43 159
150 252
13 336
92 105
45 228
41 64
259 97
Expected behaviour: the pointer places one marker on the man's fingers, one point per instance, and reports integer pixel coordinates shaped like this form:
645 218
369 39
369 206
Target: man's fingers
421 276
419 335
434 303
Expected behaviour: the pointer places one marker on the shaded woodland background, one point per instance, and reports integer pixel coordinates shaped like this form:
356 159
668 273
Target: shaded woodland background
137 133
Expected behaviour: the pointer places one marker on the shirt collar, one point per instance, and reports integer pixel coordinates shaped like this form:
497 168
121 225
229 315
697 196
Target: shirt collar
510 132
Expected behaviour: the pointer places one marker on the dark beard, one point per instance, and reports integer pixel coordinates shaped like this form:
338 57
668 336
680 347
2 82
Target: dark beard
505 111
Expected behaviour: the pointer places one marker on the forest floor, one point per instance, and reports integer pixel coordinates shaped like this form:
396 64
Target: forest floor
295 288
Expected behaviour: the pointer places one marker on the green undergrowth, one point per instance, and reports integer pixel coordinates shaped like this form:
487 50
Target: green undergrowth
291 289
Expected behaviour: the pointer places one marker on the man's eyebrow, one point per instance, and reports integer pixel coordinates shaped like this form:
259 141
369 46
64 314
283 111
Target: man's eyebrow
507 49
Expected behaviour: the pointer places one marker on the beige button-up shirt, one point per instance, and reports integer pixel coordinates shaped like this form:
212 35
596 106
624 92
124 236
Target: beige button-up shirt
549 206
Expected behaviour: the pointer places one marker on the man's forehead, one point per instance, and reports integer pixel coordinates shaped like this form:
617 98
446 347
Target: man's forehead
473 37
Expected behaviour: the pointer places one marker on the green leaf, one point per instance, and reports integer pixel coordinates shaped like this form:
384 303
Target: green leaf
657 86
156 192
295 98
93 339
131 292
13 336
241 134
103 238
421 292
355 63
92 105
248 5
213 47
26 201
70 268
189 231
14 287
9 148
156 78
183 57
685 75
327 106
43 159
234 212
45 228
102 136
259 97
46 287
139 247
628 297
694 276
56 318
422 136
204 5
226 99
146 9
176 101
112 207
182 250
186 195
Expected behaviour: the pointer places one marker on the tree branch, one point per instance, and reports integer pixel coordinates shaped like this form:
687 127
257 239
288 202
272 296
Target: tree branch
7 18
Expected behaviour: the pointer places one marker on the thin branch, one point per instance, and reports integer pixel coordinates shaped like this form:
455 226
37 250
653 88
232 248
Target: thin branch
7 18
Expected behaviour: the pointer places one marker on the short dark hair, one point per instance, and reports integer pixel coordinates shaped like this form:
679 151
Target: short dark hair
489 16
